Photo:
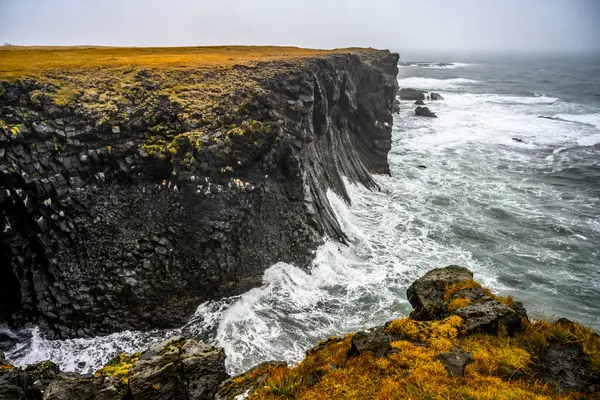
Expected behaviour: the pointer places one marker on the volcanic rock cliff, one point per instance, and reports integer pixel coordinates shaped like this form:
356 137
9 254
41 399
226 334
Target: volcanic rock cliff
131 194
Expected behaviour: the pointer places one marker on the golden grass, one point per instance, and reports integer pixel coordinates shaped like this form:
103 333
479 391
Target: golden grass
119 366
454 288
18 62
498 371
205 88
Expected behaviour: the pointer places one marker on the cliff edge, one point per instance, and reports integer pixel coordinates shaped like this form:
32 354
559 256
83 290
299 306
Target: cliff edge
137 183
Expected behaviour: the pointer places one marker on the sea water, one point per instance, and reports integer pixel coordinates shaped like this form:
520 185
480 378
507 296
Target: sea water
488 185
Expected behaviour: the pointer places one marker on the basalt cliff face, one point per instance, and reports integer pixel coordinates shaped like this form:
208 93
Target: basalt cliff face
128 198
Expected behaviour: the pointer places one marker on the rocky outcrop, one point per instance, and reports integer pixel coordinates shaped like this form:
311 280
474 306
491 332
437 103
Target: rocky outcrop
436 96
128 213
424 112
443 292
419 103
411 94
541 358
455 361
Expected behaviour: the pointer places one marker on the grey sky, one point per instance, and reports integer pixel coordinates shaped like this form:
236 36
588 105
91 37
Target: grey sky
400 25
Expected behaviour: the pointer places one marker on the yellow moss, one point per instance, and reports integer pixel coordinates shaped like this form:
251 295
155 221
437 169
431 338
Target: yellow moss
454 288
119 366
458 303
439 335
496 355
413 372
65 95
405 327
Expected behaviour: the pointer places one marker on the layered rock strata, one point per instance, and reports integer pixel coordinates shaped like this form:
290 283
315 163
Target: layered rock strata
129 197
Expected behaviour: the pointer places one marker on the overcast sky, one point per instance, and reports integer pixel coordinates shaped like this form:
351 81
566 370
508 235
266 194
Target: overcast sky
397 24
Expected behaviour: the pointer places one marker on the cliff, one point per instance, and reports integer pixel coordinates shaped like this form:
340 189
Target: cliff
461 342
137 183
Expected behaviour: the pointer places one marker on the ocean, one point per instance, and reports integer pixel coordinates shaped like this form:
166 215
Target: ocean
488 185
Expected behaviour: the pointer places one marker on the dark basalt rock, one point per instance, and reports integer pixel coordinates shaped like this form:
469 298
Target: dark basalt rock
455 361
183 369
563 365
27 383
176 369
489 316
426 294
424 112
374 341
411 94
436 96
96 236
518 140
419 103
484 314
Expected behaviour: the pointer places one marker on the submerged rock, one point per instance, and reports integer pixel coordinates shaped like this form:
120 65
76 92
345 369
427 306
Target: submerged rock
411 94
419 103
424 112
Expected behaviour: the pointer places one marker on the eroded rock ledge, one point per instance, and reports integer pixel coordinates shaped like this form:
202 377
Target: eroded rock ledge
130 196
461 341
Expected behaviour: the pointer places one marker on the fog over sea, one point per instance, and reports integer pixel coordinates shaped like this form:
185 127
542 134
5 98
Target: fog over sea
489 185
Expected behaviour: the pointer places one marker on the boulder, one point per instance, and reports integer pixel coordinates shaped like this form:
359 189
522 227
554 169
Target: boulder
411 94
489 316
373 341
424 112
455 361
518 140
436 96
426 294
71 386
419 103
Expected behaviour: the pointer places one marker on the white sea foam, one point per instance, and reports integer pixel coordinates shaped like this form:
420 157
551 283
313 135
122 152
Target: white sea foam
431 84
482 202
435 66
82 355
